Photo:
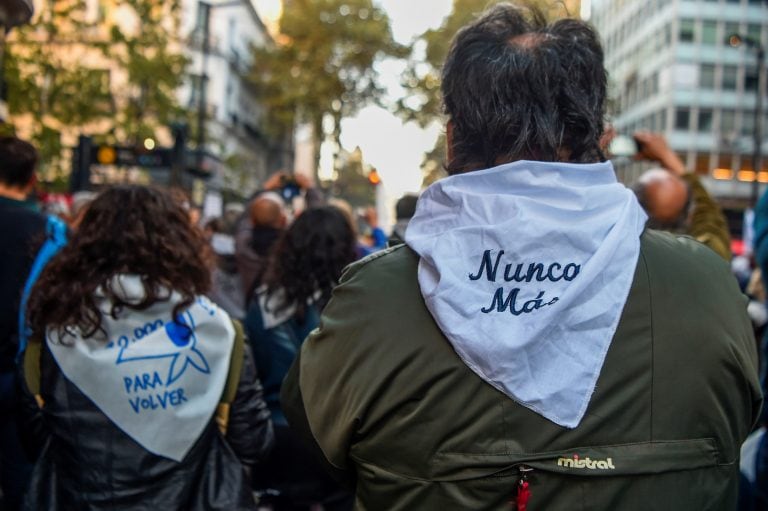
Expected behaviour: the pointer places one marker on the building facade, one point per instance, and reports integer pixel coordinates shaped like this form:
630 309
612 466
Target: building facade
234 119
672 70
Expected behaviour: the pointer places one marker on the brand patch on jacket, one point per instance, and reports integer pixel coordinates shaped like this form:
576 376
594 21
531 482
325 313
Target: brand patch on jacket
157 378
586 463
526 268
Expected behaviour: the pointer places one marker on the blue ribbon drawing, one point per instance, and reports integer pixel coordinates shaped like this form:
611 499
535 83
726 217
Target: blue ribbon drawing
180 348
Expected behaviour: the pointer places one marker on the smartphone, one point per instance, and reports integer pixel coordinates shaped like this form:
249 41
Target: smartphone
623 146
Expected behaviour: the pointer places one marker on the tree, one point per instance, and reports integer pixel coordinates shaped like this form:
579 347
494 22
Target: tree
322 63
421 79
352 183
155 70
111 74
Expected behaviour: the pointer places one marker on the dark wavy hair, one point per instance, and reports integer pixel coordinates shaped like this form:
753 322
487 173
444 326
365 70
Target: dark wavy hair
127 229
516 87
308 259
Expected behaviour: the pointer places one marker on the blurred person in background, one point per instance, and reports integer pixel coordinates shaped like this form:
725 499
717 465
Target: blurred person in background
302 270
22 231
532 346
676 200
405 208
80 202
227 288
139 392
267 218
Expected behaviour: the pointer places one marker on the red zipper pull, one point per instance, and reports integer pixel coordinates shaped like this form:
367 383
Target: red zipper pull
523 490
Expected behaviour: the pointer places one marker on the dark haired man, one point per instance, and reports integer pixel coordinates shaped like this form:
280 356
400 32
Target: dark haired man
22 229
533 346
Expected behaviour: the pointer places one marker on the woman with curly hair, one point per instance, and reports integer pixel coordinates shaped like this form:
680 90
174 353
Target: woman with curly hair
133 369
303 268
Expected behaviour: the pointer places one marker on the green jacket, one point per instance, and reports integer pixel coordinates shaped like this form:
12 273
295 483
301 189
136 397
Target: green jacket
383 397
708 224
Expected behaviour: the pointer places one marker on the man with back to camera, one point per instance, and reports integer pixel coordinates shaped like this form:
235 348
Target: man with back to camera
533 346
22 230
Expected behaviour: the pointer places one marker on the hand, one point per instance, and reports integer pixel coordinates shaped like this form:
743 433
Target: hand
654 147
304 182
275 181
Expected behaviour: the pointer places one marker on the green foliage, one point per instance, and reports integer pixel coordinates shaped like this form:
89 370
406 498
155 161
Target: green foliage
155 71
323 61
60 73
352 183
423 103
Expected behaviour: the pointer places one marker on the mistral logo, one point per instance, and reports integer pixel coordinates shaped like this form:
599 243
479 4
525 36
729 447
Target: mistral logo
586 463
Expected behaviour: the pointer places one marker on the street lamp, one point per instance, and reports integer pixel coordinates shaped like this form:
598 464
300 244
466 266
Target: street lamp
737 40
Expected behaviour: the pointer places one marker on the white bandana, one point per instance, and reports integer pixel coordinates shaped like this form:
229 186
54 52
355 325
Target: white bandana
157 380
526 268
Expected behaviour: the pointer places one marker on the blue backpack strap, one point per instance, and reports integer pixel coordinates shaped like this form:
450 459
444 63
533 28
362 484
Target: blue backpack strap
55 239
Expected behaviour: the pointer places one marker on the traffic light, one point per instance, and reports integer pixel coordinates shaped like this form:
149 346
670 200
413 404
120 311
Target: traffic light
374 178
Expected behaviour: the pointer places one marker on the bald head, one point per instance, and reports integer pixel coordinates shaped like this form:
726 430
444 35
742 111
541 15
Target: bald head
267 210
663 195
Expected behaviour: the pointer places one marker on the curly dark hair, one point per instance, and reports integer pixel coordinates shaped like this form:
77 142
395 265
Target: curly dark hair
308 259
127 229
516 87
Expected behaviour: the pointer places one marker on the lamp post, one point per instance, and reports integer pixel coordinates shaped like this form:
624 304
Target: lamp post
737 40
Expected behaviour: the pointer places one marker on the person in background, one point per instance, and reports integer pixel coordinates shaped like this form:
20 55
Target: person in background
372 238
302 270
80 202
22 230
533 345
405 208
134 382
675 198
227 284
267 219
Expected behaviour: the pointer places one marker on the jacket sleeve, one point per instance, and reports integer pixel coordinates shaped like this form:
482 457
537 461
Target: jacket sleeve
708 223
293 407
249 431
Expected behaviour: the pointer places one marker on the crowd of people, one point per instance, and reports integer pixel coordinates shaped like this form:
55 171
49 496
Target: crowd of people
535 336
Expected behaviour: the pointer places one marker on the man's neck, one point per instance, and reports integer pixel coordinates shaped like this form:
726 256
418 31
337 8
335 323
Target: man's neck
12 192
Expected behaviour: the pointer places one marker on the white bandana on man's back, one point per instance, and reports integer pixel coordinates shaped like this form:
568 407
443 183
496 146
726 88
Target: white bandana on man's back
526 268
156 379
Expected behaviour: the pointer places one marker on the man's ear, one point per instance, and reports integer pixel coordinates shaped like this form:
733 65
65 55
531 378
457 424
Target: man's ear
449 141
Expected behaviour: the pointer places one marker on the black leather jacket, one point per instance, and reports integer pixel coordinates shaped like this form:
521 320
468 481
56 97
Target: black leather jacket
84 462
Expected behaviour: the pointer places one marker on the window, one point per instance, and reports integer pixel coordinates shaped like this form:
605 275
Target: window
705 120
682 119
686 31
727 121
709 32
747 123
750 79
730 29
707 76
754 31
729 77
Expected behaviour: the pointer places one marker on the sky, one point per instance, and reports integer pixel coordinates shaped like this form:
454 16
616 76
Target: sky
394 148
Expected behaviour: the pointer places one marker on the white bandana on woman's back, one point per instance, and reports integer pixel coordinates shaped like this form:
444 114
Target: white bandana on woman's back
526 268
156 379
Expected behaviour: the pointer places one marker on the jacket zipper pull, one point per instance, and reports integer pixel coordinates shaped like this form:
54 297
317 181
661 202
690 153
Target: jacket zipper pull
523 488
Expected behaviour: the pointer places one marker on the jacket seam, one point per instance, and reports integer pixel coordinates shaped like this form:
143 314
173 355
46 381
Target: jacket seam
626 444
653 338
